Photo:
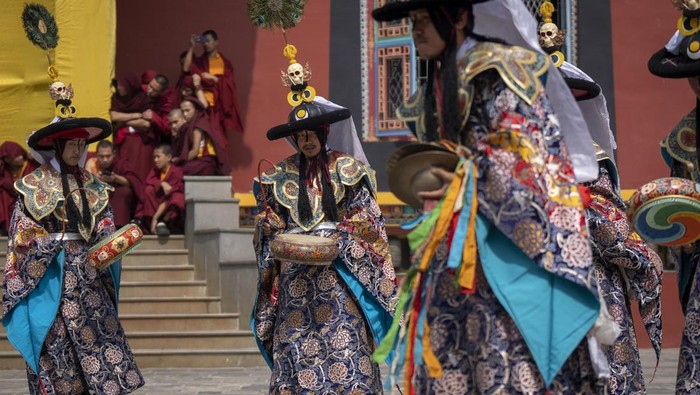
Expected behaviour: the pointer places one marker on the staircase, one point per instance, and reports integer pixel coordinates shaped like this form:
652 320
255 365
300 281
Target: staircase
171 319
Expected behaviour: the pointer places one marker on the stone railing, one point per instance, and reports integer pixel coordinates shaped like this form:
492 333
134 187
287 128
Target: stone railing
221 252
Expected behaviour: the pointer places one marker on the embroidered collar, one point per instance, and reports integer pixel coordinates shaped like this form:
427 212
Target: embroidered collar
284 180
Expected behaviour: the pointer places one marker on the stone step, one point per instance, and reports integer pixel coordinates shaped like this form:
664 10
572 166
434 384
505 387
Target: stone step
188 358
211 340
132 289
214 340
150 242
157 273
182 305
5 345
193 358
178 322
165 256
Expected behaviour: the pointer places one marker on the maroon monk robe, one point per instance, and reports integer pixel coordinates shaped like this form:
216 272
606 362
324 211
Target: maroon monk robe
146 77
185 81
226 110
8 195
136 146
206 165
125 199
161 107
174 216
134 99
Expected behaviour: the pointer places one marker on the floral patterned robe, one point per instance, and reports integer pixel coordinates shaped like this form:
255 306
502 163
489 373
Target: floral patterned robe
624 266
313 323
677 151
526 188
85 349
688 379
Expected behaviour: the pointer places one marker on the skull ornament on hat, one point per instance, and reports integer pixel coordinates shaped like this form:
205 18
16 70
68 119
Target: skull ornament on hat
550 36
296 78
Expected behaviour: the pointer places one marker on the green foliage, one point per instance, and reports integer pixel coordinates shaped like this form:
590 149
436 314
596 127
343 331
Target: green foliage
40 26
270 14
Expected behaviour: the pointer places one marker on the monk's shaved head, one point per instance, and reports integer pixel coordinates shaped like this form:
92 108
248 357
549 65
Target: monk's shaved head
176 113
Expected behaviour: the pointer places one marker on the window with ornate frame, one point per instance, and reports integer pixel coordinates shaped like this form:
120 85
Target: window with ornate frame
391 71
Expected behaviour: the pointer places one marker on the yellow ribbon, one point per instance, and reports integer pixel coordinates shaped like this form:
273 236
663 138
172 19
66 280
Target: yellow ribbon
443 222
467 271
431 361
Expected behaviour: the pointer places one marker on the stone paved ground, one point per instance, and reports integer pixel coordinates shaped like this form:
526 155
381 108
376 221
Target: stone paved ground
251 381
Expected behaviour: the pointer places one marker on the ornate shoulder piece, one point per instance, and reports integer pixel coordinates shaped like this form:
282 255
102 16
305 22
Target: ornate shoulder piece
351 171
600 154
411 111
520 68
41 191
605 160
680 145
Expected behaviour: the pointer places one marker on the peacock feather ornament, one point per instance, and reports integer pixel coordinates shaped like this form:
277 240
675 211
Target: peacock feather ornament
271 14
42 30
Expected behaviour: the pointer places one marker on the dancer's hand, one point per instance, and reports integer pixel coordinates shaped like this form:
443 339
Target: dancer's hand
437 194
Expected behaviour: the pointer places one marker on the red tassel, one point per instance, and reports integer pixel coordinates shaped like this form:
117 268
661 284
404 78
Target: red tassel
585 195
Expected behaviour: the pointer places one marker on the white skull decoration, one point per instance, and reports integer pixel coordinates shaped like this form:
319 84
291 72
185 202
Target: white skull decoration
692 4
548 32
59 91
295 73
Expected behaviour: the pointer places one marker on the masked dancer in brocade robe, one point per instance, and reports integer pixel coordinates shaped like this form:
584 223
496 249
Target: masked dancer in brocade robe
505 253
679 59
624 265
59 311
626 268
317 325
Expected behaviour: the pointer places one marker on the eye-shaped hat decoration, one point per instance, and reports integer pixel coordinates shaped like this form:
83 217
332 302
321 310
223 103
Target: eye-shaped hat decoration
41 29
680 57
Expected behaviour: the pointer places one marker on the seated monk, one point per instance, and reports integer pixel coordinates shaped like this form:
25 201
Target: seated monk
164 197
200 147
14 164
128 186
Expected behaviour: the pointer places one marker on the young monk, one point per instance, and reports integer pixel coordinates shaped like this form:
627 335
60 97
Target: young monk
164 198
